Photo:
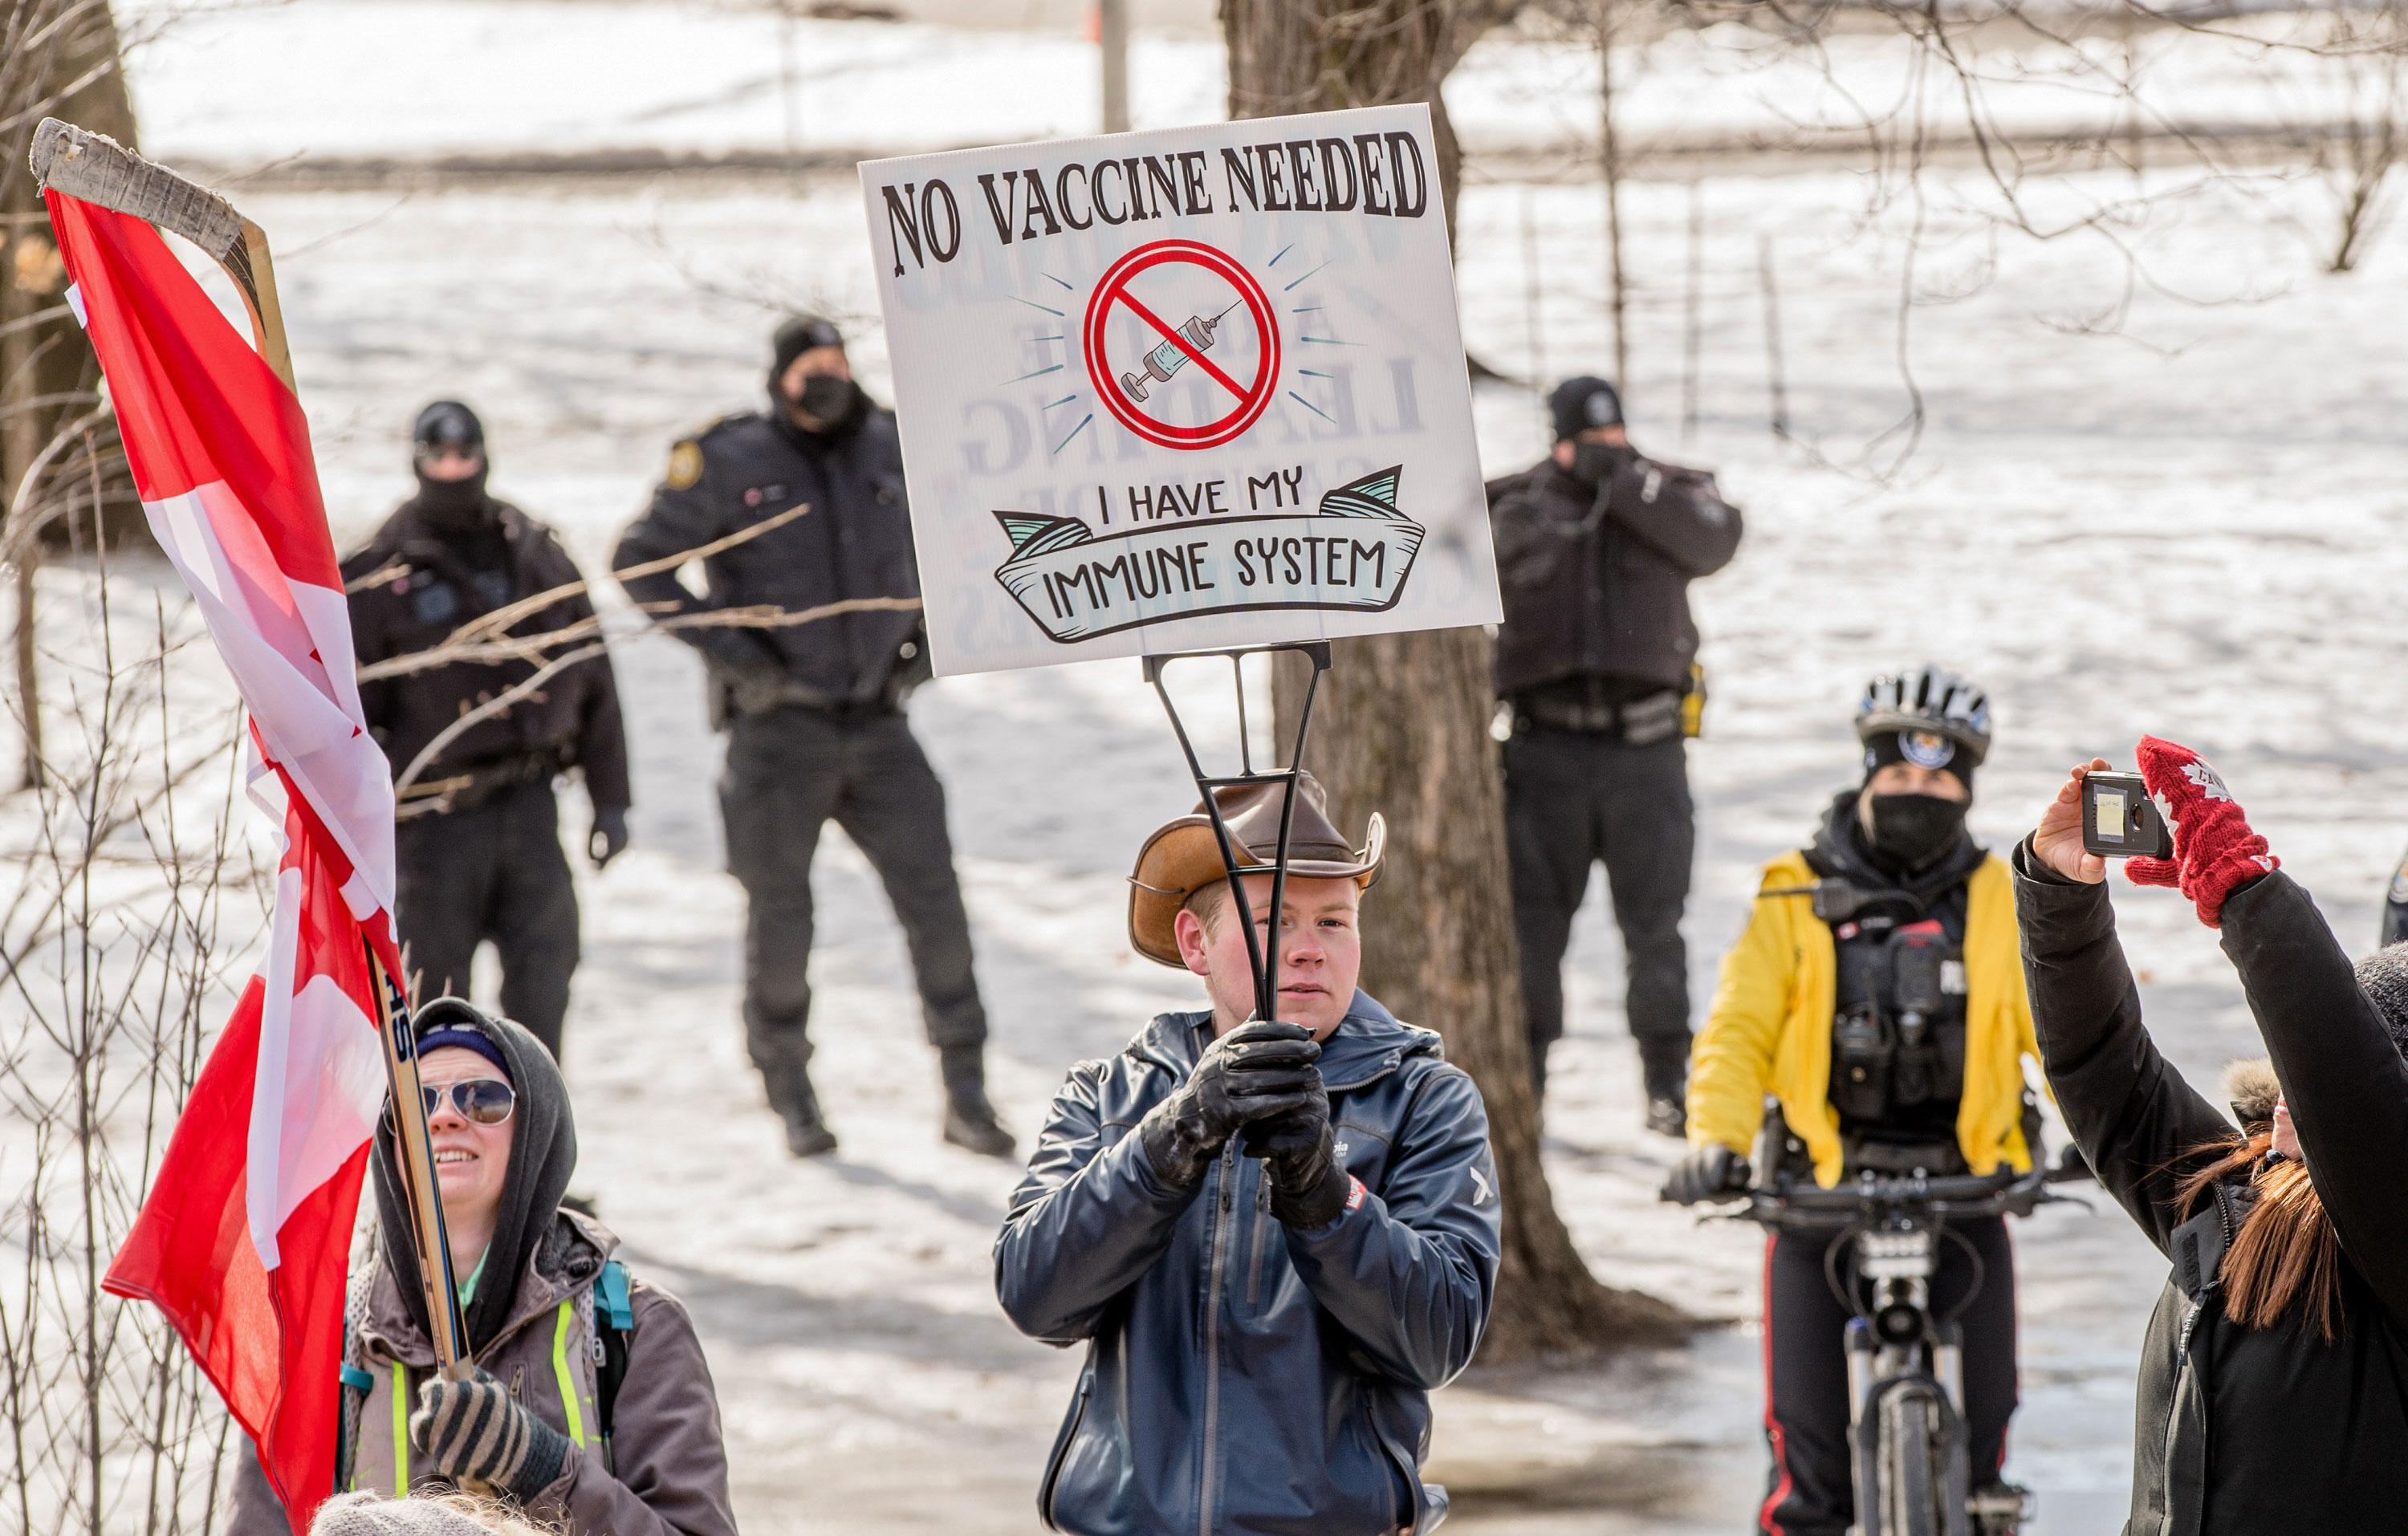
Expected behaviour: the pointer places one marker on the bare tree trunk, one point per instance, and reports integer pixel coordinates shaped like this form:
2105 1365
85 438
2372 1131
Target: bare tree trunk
1402 726
58 58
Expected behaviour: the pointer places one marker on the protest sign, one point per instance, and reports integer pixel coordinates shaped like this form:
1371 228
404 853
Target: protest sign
1182 390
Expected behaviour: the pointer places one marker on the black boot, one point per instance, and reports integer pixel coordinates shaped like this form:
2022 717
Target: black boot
1665 1070
791 1096
969 1119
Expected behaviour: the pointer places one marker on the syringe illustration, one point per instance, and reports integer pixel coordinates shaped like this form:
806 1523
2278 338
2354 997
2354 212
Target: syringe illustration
1169 358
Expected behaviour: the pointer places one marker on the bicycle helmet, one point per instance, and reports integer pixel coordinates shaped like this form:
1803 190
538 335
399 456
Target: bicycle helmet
1926 703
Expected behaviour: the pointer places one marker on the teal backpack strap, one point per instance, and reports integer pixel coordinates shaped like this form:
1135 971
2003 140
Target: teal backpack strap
610 1297
615 1317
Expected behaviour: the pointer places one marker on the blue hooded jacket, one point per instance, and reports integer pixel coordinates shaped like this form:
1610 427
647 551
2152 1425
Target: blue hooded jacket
1243 1377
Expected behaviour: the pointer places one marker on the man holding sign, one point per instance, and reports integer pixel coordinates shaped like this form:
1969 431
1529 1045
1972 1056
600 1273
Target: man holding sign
1280 1237
1202 390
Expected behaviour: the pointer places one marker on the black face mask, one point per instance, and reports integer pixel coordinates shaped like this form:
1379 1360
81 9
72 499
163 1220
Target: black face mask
825 398
452 503
1594 464
1912 830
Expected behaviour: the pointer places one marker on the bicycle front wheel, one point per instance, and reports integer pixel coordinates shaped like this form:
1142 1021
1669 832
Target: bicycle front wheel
1910 1465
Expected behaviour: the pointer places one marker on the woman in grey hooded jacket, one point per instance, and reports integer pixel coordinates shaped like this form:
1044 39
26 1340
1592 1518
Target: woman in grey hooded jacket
591 1407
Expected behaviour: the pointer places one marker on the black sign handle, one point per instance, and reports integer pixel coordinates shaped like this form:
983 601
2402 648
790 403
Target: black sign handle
1265 964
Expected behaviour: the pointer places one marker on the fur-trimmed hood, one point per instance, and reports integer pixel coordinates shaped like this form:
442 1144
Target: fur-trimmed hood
2250 1087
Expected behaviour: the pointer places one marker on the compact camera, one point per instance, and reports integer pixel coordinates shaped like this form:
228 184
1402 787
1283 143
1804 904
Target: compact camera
2120 821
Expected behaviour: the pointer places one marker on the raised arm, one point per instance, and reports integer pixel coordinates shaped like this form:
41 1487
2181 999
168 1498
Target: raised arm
1410 1272
2343 1078
2138 1122
1679 513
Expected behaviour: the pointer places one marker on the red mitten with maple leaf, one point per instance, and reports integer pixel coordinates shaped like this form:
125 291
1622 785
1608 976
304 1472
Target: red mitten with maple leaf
2215 853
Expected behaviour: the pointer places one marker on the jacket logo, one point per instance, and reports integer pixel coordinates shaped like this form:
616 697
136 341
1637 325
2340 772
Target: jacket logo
1480 1193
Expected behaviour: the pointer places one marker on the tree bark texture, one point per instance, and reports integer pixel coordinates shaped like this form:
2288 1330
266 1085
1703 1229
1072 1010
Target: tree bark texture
58 58
1402 726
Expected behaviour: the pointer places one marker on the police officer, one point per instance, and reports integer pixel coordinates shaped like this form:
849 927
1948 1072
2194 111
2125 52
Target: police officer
1878 994
814 710
1596 548
478 846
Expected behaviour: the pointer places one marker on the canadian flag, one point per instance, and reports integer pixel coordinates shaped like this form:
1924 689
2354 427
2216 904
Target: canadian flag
243 1239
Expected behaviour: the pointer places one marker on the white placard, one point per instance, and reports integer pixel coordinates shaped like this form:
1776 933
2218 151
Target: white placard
1182 390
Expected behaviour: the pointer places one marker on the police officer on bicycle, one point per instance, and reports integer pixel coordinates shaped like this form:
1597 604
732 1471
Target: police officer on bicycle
1877 993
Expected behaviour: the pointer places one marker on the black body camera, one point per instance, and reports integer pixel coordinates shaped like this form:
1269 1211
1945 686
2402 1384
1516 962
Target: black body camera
2120 821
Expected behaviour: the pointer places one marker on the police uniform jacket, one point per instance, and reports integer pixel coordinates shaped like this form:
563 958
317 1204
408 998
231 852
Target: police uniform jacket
572 721
855 543
1596 583
1768 1029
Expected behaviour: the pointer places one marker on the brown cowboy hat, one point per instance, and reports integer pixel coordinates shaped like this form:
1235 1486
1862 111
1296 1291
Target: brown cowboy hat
1182 857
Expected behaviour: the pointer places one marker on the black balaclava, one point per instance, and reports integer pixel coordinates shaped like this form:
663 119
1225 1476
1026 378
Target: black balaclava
452 506
837 403
1910 832
1576 406
543 1154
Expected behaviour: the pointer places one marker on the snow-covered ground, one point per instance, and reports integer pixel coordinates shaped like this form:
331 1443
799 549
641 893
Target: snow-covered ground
2194 525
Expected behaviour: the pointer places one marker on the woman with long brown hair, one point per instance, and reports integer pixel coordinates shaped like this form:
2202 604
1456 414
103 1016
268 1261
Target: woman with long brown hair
2272 1392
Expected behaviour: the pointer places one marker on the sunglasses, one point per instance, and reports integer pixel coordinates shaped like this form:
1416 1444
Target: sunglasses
481 1101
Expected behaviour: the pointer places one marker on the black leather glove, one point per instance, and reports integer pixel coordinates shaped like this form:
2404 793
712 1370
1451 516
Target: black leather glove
609 839
1709 1173
1254 1071
1309 1188
475 1432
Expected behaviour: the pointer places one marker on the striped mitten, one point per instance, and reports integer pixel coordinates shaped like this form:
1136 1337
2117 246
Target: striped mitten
473 1433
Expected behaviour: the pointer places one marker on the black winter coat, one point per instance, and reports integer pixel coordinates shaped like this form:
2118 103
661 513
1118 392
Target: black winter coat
573 721
1596 583
855 541
1243 1378
2242 1432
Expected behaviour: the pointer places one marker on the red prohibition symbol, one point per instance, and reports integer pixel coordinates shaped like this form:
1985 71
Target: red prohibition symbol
1183 344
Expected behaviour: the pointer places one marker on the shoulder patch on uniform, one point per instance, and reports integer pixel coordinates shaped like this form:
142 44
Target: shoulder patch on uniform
685 465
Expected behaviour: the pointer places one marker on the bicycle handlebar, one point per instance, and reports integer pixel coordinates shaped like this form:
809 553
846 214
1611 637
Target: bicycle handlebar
1952 1196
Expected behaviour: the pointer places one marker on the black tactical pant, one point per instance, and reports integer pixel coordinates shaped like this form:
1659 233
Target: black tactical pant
1811 1490
789 773
493 874
1571 798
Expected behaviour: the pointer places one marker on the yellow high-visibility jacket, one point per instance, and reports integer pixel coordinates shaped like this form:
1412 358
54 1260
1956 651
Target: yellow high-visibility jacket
1770 1027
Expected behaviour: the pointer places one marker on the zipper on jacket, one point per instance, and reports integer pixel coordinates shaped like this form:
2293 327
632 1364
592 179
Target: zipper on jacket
1212 1340
1052 1488
1262 1238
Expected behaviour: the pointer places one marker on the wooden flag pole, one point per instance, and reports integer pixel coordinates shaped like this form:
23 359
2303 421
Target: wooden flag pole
426 1197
